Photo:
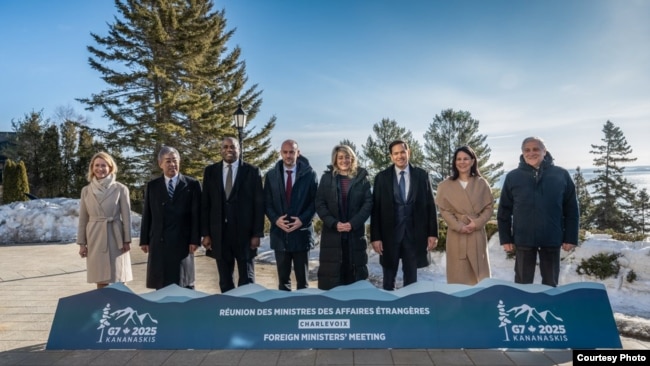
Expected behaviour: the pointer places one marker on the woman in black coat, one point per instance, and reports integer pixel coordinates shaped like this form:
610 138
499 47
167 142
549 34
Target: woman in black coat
343 203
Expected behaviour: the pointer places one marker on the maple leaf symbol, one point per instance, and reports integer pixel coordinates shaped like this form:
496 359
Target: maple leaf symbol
531 329
127 330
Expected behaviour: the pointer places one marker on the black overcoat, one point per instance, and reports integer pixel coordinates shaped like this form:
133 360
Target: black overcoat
169 226
382 221
246 205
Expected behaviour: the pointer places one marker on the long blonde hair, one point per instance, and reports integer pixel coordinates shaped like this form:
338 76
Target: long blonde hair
109 161
354 165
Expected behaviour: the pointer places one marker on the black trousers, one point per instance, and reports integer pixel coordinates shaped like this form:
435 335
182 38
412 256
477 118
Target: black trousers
405 252
549 264
230 255
300 261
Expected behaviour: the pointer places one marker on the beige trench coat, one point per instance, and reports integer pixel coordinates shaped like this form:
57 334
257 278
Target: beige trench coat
105 226
467 255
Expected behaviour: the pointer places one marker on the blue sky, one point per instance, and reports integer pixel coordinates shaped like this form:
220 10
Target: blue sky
332 69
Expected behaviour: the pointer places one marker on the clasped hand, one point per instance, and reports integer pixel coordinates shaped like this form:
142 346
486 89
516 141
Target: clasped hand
469 228
343 227
288 224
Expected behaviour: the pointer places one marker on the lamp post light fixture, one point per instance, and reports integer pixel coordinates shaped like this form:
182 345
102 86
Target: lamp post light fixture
239 119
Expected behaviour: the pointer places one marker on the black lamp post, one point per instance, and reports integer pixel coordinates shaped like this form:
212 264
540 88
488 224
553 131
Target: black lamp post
239 119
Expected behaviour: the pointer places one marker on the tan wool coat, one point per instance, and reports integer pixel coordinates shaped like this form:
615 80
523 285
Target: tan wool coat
467 255
105 226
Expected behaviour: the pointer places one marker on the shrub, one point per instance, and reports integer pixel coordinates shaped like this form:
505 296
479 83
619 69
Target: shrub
318 226
632 237
491 228
601 265
15 183
267 225
442 236
631 276
582 235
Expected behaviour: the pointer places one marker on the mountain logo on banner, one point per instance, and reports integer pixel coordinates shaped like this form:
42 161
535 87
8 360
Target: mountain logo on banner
126 326
530 325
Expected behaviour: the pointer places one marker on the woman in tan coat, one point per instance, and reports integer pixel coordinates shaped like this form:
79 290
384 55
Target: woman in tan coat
104 232
465 202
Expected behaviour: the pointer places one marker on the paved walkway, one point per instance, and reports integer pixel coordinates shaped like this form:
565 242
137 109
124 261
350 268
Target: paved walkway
34 277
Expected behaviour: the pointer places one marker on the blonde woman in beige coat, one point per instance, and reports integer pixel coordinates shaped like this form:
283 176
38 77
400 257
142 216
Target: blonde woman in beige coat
104 232
465 202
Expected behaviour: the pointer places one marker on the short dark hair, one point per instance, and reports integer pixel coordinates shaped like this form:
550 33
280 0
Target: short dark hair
397 142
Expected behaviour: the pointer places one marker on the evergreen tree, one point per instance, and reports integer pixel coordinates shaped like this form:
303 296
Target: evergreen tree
172 83
70 126
612 192
29 137
449 130
257 148
49 153
351 145
640 210
22 181
86 148
375 151
584 199
9 182
69 133
15 183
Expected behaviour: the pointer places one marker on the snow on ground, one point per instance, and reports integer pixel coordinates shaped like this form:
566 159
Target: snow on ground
55 220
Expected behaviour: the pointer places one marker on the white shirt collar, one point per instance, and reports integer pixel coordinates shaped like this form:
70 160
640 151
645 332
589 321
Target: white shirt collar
234 164
406 170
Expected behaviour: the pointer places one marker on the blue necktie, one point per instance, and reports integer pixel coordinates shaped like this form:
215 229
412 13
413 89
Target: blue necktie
170 188
402 186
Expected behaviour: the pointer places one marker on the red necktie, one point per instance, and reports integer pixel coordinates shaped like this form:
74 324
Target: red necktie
288 187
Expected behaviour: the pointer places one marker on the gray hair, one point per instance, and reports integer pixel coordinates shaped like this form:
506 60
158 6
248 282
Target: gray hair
166 150
531 139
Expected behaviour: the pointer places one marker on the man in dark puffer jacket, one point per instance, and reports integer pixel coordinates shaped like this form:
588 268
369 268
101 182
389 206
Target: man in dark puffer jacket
291 212
538 213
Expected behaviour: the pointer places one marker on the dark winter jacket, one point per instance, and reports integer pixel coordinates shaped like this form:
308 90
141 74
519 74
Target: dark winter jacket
302 206
538 207
329 209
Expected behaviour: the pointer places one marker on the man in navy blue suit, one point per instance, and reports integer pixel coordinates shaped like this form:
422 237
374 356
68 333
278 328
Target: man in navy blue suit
403 223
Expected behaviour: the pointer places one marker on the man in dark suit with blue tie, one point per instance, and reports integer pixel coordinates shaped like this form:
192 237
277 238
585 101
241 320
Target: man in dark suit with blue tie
169 232
404 223
232 215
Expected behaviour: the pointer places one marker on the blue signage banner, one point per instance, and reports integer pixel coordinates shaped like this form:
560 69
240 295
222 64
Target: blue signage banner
492 314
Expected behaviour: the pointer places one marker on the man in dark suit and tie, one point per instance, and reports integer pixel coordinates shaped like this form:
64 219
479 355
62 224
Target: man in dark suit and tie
169 231
403 224
232 215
